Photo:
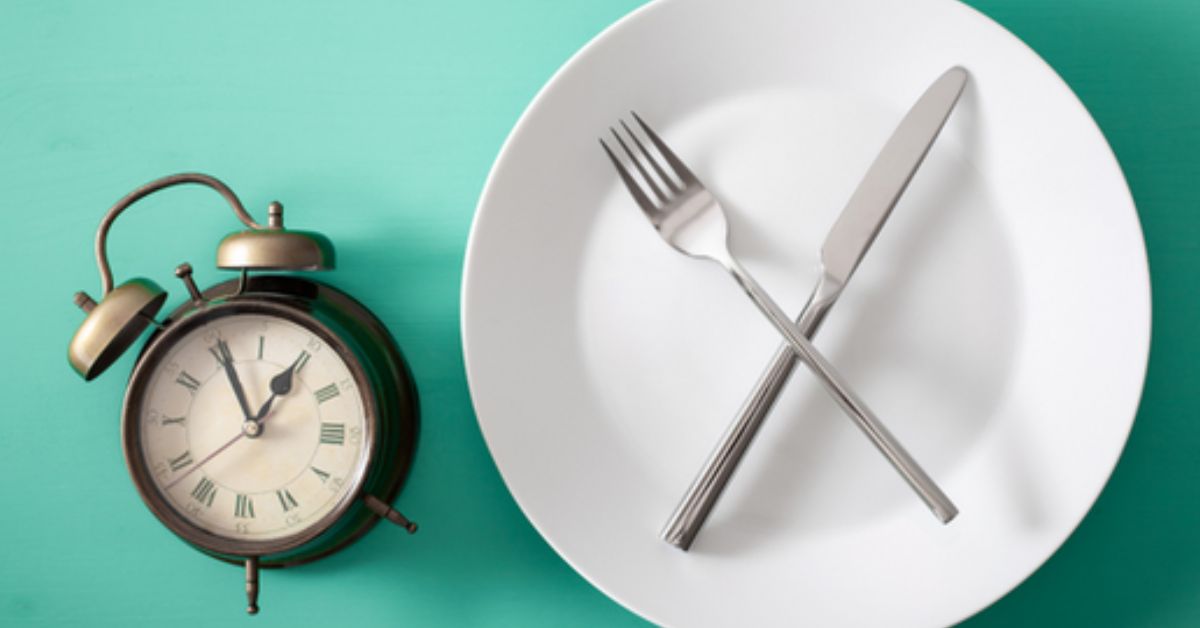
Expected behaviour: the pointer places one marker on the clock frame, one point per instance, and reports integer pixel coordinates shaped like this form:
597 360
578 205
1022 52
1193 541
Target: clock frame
382 380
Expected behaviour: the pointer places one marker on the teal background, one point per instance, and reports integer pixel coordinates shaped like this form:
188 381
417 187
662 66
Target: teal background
376 123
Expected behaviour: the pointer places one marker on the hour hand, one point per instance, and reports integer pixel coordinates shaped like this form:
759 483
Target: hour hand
224 357
281 385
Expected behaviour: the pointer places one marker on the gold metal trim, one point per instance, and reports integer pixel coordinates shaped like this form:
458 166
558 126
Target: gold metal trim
275 249
113 324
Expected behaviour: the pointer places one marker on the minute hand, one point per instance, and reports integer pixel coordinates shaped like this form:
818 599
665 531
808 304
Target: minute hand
844 247
225 359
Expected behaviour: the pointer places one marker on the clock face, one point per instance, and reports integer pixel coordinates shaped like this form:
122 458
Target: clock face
251 427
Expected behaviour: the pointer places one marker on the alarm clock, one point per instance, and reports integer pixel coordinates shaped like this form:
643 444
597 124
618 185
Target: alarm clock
271 419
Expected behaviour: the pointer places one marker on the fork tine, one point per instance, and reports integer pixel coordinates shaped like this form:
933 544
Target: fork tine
634 189
681 170
662 174
637 163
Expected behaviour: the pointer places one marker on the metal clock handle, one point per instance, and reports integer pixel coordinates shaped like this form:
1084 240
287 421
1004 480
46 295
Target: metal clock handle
124 311
106 278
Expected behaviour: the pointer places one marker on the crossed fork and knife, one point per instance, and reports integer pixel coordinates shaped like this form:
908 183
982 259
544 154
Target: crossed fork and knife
690 218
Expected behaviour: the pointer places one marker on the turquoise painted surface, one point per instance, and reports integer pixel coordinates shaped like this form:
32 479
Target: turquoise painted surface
377 124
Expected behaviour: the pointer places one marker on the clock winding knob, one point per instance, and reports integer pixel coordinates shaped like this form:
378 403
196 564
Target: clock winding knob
184 272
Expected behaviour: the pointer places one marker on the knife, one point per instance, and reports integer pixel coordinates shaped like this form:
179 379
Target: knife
844 247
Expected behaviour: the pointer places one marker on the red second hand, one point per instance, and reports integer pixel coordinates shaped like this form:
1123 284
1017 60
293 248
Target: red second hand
227 445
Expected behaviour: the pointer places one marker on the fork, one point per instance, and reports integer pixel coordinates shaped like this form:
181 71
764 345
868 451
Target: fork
692 221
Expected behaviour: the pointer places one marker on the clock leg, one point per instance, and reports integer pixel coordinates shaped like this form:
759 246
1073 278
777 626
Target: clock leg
391 514
252 584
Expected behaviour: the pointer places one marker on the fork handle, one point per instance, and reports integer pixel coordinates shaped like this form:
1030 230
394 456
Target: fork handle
697 503
836 385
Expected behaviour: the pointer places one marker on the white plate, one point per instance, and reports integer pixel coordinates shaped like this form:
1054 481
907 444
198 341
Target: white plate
1000 326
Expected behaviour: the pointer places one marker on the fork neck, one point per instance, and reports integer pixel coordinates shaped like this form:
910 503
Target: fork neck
694 229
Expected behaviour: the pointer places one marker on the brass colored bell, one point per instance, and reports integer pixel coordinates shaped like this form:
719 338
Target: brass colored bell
113 324
275 248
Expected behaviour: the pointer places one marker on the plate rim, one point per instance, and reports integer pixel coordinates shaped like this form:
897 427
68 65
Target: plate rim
1144 279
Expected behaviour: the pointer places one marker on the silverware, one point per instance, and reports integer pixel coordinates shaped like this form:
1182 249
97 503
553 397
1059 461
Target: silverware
691 220
844 247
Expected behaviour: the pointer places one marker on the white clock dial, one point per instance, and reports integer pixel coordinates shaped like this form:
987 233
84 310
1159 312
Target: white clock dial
225 468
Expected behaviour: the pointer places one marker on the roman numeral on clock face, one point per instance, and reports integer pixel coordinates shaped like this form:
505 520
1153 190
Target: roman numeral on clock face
218 352
205 491
302 360
326 393
198 462
187 381
324 475
333 433
243 507
286 500
182 461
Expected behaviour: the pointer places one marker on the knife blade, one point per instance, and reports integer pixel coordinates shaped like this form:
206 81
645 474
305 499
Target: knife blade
847 242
